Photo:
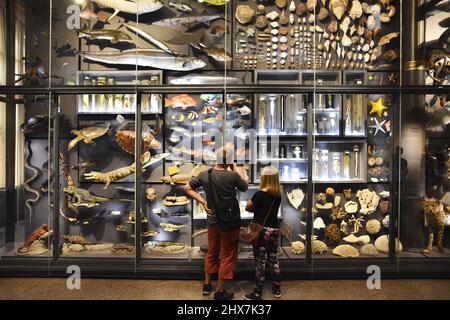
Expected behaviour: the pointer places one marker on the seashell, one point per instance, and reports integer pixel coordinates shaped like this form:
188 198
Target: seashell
311 19
327 45
274 24
244 14
353 30
297 247
346 41
366 8
275 39
292 6
345 25
261 22
323 14
284 31
319 247
274 32
260 9
385 222
283 55
311 4
366 48
356 10
351 239
373 226
355 39
273 15
364 239
291 18
367 57
338 7
284 20
369 250
371 23
349 55
388 38
346 251
319 224
382 244
332 26
283 39
361 30
280 3
301 9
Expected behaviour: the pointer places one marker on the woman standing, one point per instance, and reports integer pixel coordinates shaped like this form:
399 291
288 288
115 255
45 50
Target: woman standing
265 204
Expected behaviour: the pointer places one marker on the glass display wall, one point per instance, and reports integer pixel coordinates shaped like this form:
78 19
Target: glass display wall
335 94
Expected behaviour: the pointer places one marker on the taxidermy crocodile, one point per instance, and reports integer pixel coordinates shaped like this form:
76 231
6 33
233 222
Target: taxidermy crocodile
84 198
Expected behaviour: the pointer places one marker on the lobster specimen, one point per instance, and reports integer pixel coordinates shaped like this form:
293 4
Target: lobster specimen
27 184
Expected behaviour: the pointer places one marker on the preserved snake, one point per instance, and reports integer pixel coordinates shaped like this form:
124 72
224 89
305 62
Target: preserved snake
27 184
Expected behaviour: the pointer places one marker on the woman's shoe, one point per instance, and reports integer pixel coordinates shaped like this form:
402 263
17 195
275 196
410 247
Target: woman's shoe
276 291
207 289
253 296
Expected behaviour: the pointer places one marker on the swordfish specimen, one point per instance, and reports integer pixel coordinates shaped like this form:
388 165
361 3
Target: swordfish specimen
189 20
130 6
153 58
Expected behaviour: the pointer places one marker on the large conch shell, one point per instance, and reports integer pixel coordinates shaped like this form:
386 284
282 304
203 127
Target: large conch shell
296 197
338 7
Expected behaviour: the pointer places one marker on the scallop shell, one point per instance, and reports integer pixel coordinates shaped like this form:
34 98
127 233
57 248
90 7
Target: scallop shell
338 7
346 251
369 250
244 14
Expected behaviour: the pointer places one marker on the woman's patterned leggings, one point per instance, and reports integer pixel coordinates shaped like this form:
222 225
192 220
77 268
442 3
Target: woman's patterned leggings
266 251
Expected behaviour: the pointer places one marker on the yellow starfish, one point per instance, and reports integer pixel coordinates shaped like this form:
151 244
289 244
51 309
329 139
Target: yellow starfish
378 107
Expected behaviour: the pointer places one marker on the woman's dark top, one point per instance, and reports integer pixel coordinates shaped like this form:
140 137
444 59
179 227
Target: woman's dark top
261 203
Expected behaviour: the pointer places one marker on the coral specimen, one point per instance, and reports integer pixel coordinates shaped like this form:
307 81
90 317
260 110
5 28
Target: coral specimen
319 224
346 251
296 197
338 213
368 200
298 247
369 250
332 234
319 247
373 226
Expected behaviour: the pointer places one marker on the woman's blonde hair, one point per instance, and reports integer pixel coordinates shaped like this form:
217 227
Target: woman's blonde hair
270 181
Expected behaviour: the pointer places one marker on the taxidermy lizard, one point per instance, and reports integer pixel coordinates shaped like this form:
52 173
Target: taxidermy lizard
84 198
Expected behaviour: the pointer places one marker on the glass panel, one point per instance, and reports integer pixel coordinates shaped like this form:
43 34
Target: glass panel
424 215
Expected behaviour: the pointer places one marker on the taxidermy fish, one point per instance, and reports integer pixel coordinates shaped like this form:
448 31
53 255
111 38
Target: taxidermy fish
180 6
153 58
217 54
104 34
130 6
183 101
192 79
149 38
214 2
189 20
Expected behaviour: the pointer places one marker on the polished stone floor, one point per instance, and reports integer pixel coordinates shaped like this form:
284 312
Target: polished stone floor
56 289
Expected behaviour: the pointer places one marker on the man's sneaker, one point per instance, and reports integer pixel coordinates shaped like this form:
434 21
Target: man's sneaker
207 289
276 291
253 296
224 295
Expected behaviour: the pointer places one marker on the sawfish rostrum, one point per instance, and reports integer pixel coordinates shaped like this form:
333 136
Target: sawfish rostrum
153 58
130 6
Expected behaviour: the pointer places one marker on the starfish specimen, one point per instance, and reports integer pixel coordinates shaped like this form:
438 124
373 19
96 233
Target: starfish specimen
378 107
378 126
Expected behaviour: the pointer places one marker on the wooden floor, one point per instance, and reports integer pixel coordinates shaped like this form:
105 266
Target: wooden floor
111 289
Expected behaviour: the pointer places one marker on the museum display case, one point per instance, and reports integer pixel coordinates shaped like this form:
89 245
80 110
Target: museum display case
336 94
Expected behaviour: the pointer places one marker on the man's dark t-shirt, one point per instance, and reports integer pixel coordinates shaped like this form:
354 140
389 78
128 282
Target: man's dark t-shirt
224 185
261 203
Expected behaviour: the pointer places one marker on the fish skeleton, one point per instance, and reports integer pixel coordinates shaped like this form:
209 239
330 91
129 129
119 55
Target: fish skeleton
180 6
105 34
193 79
130 6
190 20
154 58
152 40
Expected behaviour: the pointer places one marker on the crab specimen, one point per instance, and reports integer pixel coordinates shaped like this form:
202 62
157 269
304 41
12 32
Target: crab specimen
87 135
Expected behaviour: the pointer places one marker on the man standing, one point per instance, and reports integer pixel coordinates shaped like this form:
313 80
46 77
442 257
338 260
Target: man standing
220 185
